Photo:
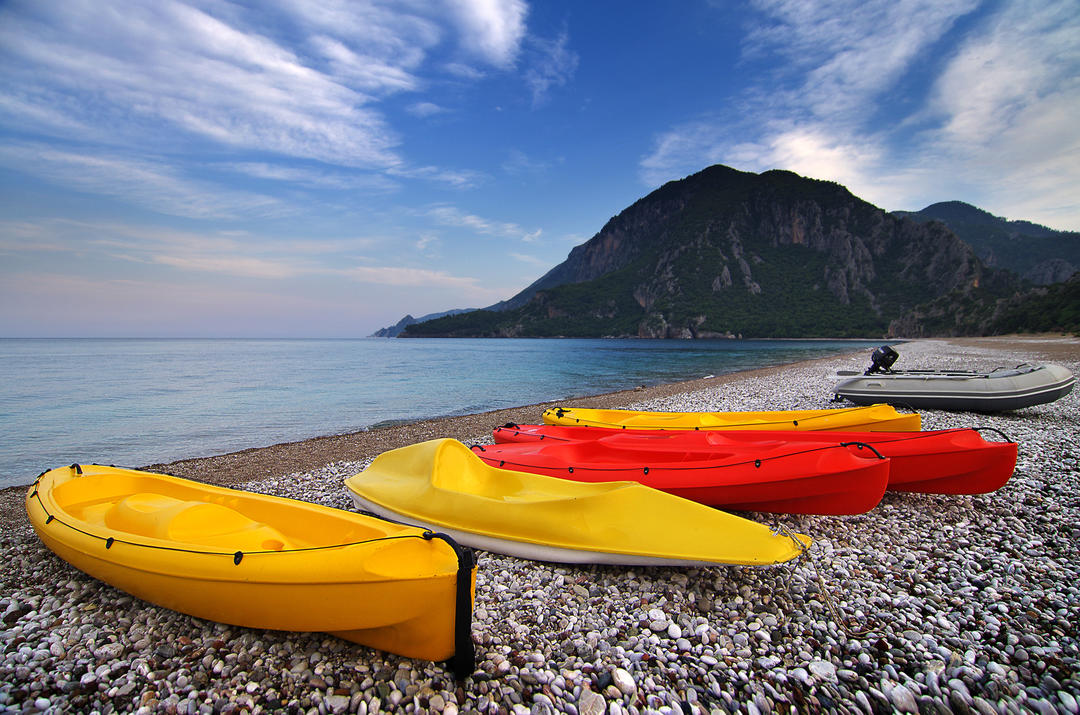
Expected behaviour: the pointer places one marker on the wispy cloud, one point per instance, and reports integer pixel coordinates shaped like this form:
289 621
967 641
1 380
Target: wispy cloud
291 79
177 63
229 253
321 177
148 182
452 216
530 260
425 109
414 277
518 163
553 65
997 114
456 178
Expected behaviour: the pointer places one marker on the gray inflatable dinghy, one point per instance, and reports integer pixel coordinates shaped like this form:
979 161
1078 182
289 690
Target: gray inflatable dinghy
994 391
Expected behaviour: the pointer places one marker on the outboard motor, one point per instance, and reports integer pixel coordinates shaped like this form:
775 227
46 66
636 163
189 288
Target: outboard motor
883 359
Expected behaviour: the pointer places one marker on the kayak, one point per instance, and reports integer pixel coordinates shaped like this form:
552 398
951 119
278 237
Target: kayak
954 461
993 391
260 561
876 418
791 478
442 484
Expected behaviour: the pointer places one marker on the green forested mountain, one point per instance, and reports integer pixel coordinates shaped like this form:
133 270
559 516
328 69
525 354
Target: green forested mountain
730 253
1036 253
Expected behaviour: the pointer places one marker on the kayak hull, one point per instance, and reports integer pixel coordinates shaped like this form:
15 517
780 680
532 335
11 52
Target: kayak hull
874 418
958 461
824 478
256 561
442 484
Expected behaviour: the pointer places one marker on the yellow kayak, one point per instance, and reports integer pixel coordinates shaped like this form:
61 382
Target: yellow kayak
874 418
259 561
443 484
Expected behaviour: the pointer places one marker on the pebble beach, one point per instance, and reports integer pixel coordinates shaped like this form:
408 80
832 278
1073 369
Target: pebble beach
927 603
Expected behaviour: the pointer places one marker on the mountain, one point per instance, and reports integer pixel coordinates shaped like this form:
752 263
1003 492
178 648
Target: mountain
1037 253
397 328
726 253
1041 309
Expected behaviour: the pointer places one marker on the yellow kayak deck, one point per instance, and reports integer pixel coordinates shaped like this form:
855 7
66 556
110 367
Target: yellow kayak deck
442 484
259 561
873 418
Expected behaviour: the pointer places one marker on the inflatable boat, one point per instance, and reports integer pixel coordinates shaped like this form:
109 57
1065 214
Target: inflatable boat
994 391
259 561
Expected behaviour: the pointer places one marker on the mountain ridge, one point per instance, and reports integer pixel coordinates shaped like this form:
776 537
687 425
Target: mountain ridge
726 253
1037 253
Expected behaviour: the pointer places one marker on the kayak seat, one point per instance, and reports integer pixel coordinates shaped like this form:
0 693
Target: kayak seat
160 516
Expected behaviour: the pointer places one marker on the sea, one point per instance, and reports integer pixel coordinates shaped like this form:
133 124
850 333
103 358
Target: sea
134 402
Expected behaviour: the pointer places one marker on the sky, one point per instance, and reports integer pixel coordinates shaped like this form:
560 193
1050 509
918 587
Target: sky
320 168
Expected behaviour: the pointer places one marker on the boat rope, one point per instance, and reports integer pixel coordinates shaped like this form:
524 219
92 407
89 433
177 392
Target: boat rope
825 595
237 556
537 437
560 412
757 462
870 438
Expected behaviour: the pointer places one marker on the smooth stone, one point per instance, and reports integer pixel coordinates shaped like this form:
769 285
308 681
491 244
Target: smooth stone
591 703
623 681
823 669
337 703
904 700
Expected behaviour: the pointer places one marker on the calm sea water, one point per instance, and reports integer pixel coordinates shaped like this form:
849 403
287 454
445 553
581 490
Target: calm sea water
136 402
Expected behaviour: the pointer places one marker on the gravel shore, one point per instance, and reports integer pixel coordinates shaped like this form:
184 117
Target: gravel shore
925 604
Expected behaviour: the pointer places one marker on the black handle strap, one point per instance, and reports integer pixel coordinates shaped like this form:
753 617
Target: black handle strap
995 430
862 445
464 661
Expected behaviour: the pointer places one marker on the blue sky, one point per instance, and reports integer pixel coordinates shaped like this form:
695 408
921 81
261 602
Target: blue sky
319 168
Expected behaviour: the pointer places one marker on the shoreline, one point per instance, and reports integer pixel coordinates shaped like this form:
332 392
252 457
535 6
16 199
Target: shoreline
277 460
927 603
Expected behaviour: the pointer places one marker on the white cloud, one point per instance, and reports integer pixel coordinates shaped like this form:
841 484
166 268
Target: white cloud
491 29
425 109
291 78
997 129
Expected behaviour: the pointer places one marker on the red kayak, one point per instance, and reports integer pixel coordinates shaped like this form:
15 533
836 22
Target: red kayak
786 478
956 461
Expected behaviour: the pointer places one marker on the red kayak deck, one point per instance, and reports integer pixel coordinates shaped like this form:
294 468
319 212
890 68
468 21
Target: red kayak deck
957 461
786 478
